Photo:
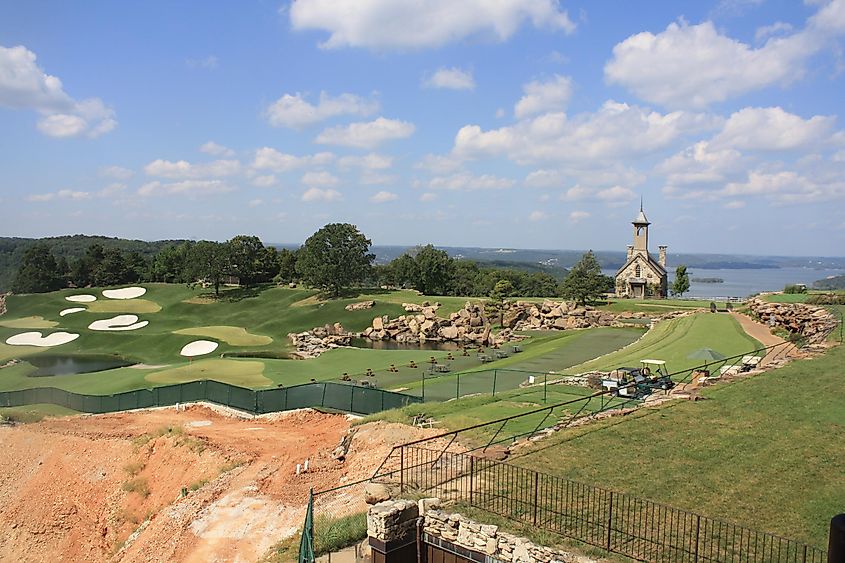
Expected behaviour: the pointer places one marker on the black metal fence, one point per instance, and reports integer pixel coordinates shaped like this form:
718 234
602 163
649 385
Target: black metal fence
329 395
617 522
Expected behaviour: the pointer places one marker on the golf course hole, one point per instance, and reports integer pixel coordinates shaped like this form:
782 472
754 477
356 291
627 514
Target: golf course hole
124 293
36 339
28 322
232 335
120 322
48 365
198 348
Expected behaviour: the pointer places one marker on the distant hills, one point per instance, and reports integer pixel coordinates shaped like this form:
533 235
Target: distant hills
554 262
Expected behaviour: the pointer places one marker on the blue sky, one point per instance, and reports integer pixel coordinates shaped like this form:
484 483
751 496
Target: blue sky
519 123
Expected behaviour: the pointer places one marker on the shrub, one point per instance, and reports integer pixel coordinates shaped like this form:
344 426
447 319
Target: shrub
826 299
795 288
333 534
138 485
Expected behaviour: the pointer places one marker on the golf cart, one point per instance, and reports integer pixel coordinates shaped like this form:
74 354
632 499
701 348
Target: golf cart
637 383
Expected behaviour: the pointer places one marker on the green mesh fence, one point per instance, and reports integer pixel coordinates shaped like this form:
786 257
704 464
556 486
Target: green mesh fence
329 395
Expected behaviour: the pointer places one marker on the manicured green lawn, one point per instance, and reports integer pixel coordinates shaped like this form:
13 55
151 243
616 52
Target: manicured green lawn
674 340
765 452
34 413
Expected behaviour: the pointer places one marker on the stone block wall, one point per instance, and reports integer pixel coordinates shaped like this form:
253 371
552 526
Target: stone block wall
810 322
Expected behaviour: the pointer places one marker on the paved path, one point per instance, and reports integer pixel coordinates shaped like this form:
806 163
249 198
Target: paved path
763 335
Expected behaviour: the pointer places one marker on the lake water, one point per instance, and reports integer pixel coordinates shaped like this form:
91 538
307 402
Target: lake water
71 365
393 345
745 282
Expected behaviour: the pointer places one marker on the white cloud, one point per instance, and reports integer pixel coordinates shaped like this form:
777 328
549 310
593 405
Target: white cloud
386 24
428 197
439 164
320 179
613 196
577 216
24 85
61 194
384 197
208 63
541 97
184 169
186 187
267 158
372 161
265 181
294 111
451 79
771 129
544 179
255 202
695 65
214 149
615 131
117 172
366 135
316 194
112 190
468 182
776 28
735 204
536 216
701 164
371 178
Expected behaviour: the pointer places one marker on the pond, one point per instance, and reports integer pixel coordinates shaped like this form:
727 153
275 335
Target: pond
393 345
47 365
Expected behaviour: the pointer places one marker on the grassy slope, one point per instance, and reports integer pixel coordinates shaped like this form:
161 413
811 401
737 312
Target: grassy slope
676 339
765 452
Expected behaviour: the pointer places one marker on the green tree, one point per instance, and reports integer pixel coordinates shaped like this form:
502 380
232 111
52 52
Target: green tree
498 299
286 262
38 272
112 268
246 254
539 284
208 262
170 265
465 278
433 272
681 283
334 258
404 271
585 282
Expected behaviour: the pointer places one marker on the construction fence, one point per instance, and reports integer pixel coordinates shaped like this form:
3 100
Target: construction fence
327 395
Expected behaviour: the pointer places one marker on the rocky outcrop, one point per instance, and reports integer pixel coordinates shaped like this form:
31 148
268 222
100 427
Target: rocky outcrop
469 325
312 343
420 308
808 322
552 315
360 306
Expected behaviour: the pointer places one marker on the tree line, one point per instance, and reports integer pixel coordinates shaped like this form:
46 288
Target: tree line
335 258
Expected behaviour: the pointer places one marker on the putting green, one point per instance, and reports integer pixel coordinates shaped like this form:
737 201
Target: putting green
124 306
28 322
233 335
235 372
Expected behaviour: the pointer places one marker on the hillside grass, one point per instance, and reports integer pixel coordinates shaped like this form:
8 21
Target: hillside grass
765 452
674 340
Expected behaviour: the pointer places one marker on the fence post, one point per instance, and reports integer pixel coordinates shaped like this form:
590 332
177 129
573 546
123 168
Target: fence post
422 375
401 469
609 519
495 373
471 478
458 387
697 530
323 397
545 385
536 493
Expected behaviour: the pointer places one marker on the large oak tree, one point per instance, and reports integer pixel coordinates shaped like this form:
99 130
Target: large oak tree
335 258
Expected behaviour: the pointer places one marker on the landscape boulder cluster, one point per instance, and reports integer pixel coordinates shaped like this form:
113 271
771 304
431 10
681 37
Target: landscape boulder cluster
312 343
811 323
468 325
523 315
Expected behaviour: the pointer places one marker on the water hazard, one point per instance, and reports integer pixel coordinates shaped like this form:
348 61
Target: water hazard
47 365
393 345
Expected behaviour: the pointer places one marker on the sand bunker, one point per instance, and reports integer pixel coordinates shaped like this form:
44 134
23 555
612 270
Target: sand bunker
71 311
82 298
124 293
35 339
120 322
198 348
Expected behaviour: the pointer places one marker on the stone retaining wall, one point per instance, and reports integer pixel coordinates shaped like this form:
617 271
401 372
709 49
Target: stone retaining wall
393 520
807 321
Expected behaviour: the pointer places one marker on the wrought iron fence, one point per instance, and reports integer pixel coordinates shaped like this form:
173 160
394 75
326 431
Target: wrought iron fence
617 522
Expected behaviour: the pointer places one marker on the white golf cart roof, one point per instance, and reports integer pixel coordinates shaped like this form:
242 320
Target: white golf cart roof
654 362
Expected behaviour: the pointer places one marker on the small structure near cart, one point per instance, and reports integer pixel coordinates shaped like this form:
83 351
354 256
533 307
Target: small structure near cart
638 383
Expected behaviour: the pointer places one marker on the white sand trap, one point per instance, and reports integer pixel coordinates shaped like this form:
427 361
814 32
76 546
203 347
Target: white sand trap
35 339
124 293
199 348
120 322
71 311
82 298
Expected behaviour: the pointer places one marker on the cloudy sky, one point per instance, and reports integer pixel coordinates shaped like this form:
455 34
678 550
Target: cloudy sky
516 123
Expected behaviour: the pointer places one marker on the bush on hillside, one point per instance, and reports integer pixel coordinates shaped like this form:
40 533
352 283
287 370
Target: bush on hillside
793 289
826 299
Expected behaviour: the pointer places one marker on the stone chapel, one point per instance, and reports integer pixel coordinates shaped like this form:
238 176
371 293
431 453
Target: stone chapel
642 276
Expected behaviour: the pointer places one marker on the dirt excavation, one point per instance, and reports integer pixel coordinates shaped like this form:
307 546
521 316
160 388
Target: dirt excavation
193 485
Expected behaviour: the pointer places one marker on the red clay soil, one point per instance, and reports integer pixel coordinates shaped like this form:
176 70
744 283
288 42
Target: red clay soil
109 487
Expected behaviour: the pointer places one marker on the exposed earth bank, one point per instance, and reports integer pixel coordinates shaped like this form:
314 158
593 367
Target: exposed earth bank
110 487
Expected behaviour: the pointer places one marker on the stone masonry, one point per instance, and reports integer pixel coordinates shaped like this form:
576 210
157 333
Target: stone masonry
807 321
